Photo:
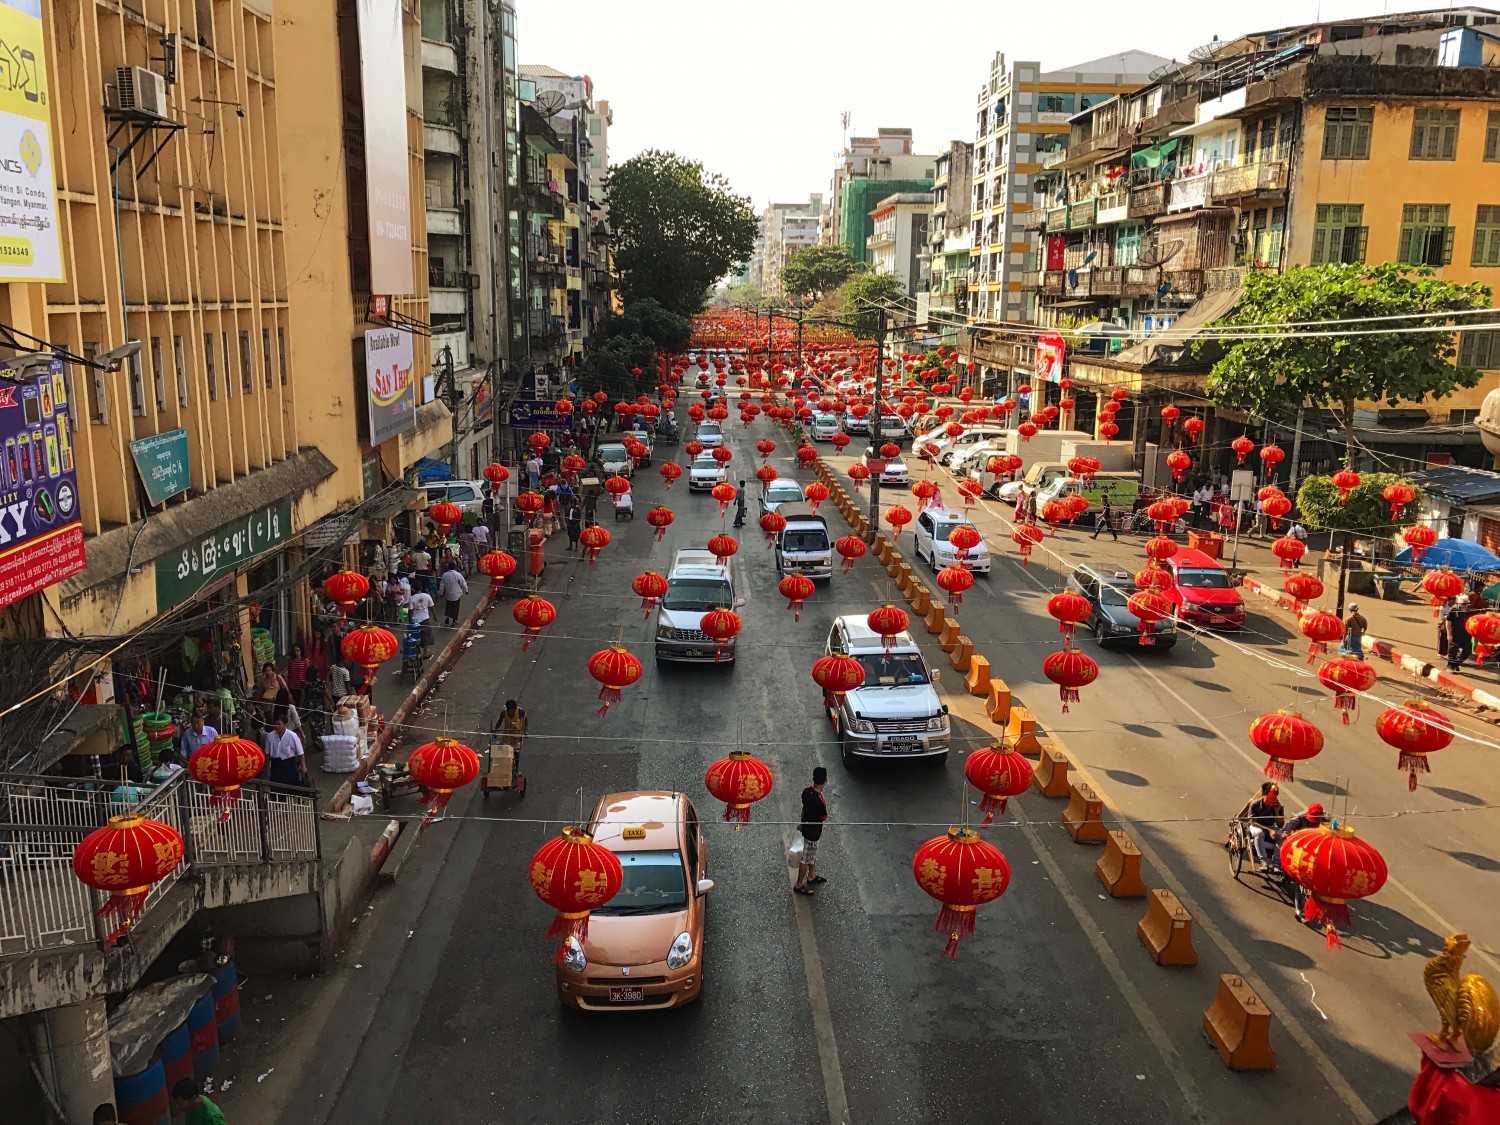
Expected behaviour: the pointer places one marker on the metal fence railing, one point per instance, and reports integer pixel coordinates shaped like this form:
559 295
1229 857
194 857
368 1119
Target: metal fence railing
42 819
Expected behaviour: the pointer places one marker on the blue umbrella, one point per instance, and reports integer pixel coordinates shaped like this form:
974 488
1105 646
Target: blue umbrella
1453 554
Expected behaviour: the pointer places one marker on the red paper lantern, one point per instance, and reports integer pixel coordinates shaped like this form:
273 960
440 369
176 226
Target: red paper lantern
1275 507
616 486
890 622
836 674
1169 414
1149 607
594 539
1027 430
962 871
650 587
445 515
1419 537
1303 587
858 474
1179 462
955 579
721 626
533 613
1193 427
540 441
1333 865
693 448
1288 549
1271 456
440 767
772 523
497 566
765 447
369 646
1154 577
724 493
806 455
496 473
530 503
573 464
661 519
815 493
1055 512
1398 495
616 669
1347 677
723 546
964 539
670 471
897 517
224 765
1416 729
1000 774
1346 481
572 874
1119 394
1485 629
1286 738
1026 536
739 780
796 588
924 490
345 589
1108 431
1442 585
722 454
1321 629
1070 670
890 451
971 491
124 859
839 441
1242 447
1159 548
850 547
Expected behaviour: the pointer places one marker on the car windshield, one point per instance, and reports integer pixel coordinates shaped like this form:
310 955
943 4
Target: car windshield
1202 579
1116 594
708 429
653 883
805 541
781 493
613 453
895 465
704 461
894 670
941 531
697 595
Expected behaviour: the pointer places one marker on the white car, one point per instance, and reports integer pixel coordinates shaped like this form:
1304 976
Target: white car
824 426
780 491
933 527
615 461
892 472
897 712
709 434
971 460
854 424
948 448
705 472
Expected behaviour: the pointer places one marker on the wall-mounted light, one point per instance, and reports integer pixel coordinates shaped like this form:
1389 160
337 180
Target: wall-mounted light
239 110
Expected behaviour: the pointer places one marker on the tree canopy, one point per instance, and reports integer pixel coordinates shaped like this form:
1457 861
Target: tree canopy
1365 513
677 229
811 271
607 366
859 298
646 317
1291 366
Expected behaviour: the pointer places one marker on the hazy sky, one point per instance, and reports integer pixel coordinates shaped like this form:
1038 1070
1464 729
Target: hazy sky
755 90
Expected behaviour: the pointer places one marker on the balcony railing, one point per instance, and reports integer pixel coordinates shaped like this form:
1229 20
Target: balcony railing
42 819
1136 282
1113 208
1081 214
1031 279
451 279
1147 201
1189 192
1185 283
1054 282
1249 179
1057 218
1034 219
1106 281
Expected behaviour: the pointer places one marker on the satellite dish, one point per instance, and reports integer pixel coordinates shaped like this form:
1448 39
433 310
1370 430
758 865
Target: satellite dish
549 102
1155 254
1206 52
1171 66
1072 279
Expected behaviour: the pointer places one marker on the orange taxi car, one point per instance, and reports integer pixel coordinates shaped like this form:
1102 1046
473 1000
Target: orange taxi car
645 946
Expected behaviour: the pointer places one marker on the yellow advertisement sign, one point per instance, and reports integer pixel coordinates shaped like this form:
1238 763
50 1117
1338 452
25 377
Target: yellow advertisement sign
30 249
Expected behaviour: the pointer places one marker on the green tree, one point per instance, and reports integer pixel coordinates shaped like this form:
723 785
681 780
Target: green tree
677 229
1292 367
670 331
746 295
607 367
1365 513
860 298
812 271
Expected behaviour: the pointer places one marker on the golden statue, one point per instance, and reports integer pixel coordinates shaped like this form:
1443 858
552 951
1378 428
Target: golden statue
1467 1005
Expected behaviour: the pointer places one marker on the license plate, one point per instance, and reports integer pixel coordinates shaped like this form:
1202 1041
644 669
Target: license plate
626 994
903 745
693 652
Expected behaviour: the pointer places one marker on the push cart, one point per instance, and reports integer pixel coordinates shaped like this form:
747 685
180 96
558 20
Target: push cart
502 771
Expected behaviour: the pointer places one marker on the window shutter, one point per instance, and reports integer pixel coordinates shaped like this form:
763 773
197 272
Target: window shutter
1364 239
1450 142
1416 142
1448 234
1476 257
1320 234
1404 250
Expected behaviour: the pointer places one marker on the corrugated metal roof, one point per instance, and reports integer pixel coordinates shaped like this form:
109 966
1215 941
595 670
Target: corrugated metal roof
1454 482
537 70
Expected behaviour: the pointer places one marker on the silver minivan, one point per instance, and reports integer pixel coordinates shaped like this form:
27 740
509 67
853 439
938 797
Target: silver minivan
803 544
897 712
696 584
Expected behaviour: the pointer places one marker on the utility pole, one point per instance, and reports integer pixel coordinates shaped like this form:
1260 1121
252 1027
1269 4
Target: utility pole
881 328
1296 450
454 399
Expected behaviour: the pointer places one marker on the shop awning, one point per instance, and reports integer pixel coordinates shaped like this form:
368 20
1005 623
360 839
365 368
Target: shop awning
1185 328
430 469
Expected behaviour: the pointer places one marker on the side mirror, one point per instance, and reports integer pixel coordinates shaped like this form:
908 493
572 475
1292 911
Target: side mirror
705 885
937 674
738 602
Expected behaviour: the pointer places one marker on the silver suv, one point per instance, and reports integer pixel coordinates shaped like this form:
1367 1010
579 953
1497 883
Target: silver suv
897 713
697 584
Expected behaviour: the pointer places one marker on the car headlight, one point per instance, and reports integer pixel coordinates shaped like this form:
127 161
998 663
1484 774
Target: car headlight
681 952
938 722
862 726
573 959
664 632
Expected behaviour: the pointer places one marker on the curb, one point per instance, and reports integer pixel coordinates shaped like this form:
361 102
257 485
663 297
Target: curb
1383 649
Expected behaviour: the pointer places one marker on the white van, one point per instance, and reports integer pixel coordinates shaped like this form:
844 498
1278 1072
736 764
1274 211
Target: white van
467 494
696 584
897 712
803 544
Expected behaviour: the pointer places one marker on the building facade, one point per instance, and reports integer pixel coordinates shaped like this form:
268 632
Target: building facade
898 236
1021 117
867 170
787 227
945 258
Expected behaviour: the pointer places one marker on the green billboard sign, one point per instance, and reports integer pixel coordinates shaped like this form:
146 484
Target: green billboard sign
162 460
183 573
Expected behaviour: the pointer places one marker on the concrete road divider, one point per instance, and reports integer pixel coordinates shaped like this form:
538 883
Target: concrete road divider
883 551
1167 930
962 654
978 679
1238 1024
936 618
1119 868
1084 816
948 635
893 564
1051 774
998 704
1020 729
921 602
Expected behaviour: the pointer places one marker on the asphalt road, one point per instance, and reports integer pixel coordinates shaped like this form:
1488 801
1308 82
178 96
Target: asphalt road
838 1007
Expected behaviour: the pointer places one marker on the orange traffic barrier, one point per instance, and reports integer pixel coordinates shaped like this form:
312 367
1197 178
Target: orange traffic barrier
936 619
978 679
1167 930
1238 1024
902 575
1051 773
882 550
962 654
948 636
998 704
1020 729
893 564
1119 868
1084 816
921 600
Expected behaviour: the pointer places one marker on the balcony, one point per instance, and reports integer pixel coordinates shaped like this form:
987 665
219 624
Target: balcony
1106 281
1137 282
441 139
457 344
1081 215
1034 220
1113 208
1185 283
1057 218
1189 192
544 326
1054 282
1031 279
439 56
1258 180
1147 201
444 220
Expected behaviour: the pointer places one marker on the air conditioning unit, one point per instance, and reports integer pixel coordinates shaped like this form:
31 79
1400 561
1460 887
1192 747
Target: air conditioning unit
138 90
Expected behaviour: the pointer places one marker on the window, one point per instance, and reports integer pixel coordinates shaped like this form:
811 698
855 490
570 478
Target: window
281 352
265 353
1492 136
1462 417
99 410
596 126
1480 349
228 366
1486 235
1128 243
179 360
1346 133
208 367
1426 237
158 376
247 369
137 381
1434 134
1339 234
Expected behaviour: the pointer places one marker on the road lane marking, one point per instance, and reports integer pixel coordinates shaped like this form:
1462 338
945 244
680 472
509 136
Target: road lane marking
817 996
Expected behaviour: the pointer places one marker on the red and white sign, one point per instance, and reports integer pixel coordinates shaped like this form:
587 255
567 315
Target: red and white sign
1050 349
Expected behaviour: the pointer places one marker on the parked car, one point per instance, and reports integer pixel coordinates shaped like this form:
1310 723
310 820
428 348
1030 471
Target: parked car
892 470
972 435
697 583
1203 593
705 472
804 544
970 461
824 426
644 947
897 712
933 527
641 431
854 424
782 490
1110 620
709 434
467 494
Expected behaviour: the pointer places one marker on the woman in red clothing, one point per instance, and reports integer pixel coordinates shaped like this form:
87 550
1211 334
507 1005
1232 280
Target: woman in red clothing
296 673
